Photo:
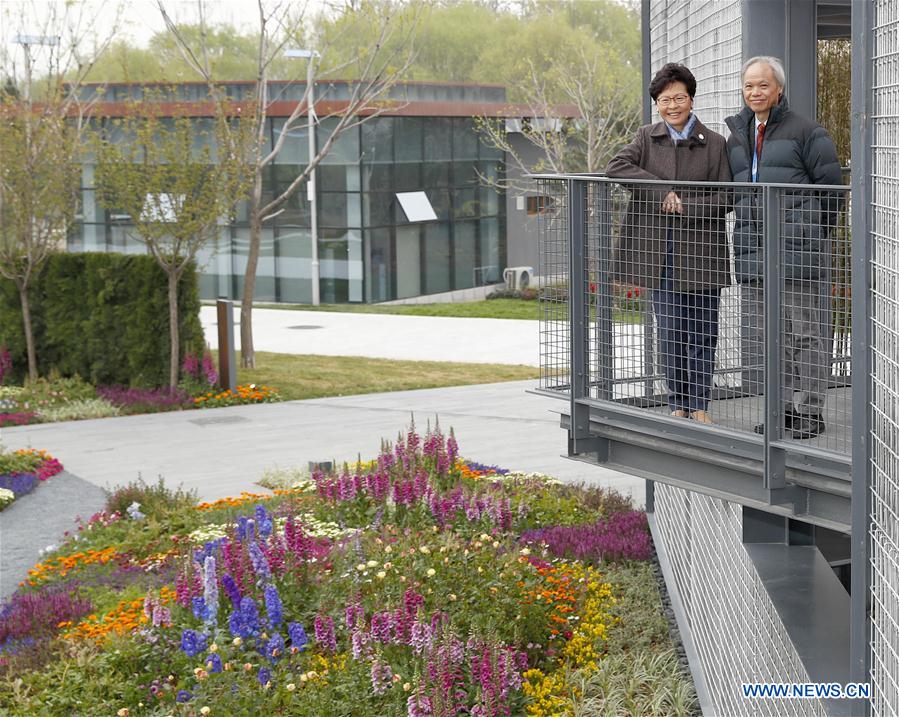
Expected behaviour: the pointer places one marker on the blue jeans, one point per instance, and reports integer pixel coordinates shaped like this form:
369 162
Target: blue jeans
688 336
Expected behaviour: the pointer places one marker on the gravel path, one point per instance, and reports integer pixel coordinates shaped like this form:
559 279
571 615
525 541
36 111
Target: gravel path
39 519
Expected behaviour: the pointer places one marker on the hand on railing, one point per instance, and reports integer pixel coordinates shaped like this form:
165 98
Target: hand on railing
672 204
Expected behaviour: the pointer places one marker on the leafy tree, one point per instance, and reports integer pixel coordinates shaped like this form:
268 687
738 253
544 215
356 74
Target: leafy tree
377 65
41 127
176 179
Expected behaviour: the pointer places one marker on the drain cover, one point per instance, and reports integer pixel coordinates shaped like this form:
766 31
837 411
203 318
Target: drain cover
305 327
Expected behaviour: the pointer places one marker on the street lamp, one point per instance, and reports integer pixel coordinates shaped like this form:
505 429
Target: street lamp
310 55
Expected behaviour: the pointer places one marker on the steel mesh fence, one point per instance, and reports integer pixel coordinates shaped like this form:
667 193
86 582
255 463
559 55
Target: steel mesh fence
555 333
736 630
885 360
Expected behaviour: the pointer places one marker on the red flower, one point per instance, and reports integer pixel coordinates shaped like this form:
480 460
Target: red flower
636 291
592 287
629 293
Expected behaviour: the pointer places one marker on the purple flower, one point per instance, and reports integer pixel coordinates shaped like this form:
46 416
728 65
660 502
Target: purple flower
214 662
260 562
273 605
298 637
183 696
622 536
212 376
381 677
210 589
245 528
199 609
264 676
324 633
244 621
274 648
192 643
231 589
263 521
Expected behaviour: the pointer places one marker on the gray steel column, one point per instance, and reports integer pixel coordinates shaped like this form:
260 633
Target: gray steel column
645 11
860 608
577 288
775 458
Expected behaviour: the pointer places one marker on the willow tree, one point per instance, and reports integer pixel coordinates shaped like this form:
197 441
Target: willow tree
176 180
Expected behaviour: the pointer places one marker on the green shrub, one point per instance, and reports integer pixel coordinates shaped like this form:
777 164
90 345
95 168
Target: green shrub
101 316
79 410
155 500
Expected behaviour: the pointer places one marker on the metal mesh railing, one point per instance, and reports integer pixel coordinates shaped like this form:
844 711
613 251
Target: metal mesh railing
885 360
656 262
735 627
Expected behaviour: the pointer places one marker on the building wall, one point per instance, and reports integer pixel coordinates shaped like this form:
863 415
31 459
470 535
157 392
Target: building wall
734 626
367 249
885 360
736 631
521 216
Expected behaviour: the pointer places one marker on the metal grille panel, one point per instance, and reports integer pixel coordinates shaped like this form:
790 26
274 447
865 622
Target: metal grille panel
885 361
555 334
735 627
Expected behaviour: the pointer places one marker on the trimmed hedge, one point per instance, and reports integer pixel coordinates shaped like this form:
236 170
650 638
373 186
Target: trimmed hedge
101 316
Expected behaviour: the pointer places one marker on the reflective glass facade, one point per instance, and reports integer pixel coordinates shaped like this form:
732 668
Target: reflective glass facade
368 251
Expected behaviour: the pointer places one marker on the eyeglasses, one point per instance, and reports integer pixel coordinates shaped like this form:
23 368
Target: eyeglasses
677 99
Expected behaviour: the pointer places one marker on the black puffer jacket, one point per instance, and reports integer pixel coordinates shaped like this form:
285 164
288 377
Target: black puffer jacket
795 151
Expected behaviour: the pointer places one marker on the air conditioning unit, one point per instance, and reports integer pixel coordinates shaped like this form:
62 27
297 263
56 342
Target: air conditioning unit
518 277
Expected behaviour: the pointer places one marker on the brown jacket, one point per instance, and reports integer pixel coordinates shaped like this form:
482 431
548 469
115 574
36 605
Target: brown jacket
700 243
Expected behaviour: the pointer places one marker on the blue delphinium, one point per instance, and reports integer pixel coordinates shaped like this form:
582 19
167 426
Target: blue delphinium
274 648
198 607
244 621
192 643
297 634
231 589
183 696
214 662
260 563
264 676
273 605
210 590
263 522
245 528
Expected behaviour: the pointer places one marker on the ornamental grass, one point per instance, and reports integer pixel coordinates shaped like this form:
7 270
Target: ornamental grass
416 584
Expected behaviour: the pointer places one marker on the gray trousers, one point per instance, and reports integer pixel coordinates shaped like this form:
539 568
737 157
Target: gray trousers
805 338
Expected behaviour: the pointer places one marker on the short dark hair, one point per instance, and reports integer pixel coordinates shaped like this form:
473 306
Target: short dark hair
670 73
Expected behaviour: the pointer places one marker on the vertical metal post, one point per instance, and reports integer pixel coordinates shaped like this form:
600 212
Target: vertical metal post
224 310
577 319
775 458
862 104
312 190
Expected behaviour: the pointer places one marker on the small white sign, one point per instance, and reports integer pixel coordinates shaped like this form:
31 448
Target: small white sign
416 206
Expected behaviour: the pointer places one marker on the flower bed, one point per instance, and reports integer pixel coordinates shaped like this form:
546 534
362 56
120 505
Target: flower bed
244 394
21 471
416 584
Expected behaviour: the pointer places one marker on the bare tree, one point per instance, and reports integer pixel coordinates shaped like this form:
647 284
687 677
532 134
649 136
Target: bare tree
42 120
378 67
176 182
579 113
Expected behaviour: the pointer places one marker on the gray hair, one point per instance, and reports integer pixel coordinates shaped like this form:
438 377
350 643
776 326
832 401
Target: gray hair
777 67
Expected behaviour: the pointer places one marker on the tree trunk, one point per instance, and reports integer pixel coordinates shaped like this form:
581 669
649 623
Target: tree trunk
247 352
29 333
174 330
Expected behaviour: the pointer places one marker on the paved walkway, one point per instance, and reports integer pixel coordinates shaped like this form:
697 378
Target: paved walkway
413 338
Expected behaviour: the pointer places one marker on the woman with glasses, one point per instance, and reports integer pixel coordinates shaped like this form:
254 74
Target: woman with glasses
673 239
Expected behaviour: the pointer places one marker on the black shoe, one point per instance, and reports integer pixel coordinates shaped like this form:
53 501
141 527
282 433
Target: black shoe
807 426
790 416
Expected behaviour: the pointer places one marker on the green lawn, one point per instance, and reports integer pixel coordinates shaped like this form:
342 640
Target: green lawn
309 376
492 309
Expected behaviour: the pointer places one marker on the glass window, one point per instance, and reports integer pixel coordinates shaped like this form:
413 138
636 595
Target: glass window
436 174
439 138
345 149
331 177
440 200
464 254
265 271
296 146
437 259
408 139
408 261
491 271
377 140
294 266
466 202
380 265
332 209
465 174
407 176
465 139
333 266
378 209
377 177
